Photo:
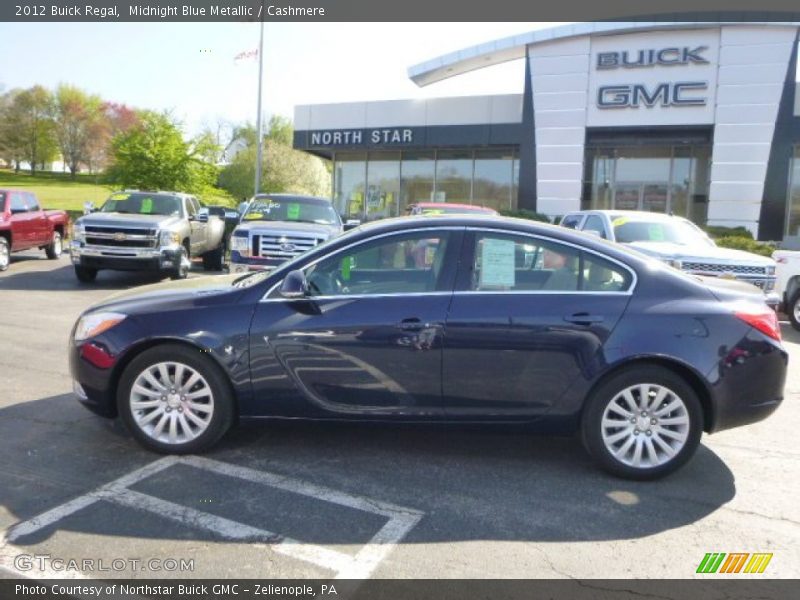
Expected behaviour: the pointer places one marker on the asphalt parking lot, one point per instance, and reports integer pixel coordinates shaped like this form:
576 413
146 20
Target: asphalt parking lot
306 500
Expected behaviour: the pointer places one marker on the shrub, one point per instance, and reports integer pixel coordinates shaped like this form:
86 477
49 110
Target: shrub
748 244
718 231
524 213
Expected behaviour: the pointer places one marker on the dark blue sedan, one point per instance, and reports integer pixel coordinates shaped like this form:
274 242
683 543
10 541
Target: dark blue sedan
459 319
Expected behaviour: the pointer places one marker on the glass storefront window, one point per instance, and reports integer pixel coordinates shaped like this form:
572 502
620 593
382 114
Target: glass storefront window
383 185
667 179
793 208
493 177
417 172
453 176
349 182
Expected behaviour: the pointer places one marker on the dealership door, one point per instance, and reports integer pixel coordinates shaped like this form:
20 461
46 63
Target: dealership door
648 196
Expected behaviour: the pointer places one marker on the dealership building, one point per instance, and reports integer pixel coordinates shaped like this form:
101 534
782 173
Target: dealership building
695 119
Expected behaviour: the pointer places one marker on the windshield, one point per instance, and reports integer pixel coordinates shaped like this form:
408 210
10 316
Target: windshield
291 209
674 231
142 204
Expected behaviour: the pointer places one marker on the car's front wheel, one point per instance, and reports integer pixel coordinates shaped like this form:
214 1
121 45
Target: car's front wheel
793 310
85 274
642 423
175 400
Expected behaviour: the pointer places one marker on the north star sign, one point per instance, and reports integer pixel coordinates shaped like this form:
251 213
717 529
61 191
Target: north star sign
358 137
634 95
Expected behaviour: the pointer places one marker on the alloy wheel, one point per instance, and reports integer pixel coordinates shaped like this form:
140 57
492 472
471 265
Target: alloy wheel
171 402
645 425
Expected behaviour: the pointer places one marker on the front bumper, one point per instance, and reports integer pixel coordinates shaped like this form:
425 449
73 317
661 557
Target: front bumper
91 384
124 259
242 264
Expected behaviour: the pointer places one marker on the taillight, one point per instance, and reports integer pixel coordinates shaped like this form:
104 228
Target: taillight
764 319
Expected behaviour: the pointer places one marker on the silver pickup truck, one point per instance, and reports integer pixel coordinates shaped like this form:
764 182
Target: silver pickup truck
146 231
677 242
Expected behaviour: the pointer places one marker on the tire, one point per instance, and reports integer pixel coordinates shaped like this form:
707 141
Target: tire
56 246
212 260
85 274
793 310
5 254
181 270
149 409
614 447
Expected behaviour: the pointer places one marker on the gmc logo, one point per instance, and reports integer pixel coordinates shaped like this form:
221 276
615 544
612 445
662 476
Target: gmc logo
649 58
664 94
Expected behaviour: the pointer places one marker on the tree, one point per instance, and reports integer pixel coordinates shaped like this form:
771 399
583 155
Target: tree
114 119
29 127
283 168
153 155
78 117
11 147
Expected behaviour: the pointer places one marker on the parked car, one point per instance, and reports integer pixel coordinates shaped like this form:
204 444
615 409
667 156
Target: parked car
147 231
448 208
677 242
787 285
24 225
503 321
277 227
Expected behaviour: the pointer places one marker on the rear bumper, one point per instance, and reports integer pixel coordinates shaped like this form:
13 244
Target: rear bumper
123 259
749 382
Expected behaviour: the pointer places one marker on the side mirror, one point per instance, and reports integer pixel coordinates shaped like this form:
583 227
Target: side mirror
294 285
351 224
89 207
202 215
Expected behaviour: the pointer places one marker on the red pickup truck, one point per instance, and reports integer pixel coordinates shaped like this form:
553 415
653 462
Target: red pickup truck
24 225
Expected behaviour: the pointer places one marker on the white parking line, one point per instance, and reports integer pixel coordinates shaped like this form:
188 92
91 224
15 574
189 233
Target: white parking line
360 566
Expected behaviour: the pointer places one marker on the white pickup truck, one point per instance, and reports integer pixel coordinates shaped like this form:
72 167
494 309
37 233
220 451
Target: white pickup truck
787 284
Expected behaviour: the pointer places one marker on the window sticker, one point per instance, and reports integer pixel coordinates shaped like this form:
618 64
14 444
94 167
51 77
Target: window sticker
655 233
347 264
147 205
497 263
619 222
120 196
293 211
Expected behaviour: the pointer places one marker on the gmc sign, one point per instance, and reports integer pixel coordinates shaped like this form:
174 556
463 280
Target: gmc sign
663 94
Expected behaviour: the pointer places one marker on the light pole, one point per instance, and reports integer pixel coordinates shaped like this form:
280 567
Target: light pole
259 140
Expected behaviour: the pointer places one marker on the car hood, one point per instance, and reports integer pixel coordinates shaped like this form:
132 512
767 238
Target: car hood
113 219
699 253
149 297
289 227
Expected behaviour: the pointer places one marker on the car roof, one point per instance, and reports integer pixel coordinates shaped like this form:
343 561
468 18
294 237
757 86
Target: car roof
633 215
302 197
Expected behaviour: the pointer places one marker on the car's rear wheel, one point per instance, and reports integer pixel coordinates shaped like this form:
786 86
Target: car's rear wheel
85 274
642 423
56 246
793 310
175 400
5 254
212 260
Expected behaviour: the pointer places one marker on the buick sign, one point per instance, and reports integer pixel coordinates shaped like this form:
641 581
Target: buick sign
649 58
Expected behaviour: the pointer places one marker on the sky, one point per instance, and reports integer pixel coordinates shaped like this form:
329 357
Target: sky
188 68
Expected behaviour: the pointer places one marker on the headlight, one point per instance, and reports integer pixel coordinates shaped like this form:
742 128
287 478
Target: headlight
240 244
96 323
771 270
168 238
79 232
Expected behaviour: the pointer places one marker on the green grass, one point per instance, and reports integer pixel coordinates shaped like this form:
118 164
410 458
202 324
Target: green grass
58 190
